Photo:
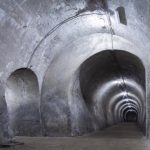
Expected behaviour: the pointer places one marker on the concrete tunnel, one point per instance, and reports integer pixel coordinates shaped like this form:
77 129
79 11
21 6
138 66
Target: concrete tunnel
70 68
113 87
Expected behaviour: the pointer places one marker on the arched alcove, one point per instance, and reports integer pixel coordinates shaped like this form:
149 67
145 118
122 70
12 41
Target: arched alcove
23 102
113 87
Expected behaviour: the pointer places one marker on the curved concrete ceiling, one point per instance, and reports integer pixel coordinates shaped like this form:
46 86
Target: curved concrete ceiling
90 59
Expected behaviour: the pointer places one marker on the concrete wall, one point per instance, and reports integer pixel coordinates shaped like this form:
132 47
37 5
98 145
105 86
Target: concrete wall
53 38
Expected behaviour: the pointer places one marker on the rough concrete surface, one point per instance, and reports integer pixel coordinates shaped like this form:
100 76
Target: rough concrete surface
71 67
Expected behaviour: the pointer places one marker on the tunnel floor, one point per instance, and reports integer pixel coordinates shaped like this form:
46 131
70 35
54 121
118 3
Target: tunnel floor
123 130
125 136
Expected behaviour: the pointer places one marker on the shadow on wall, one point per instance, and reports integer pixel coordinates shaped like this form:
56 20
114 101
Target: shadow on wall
113 84
23 101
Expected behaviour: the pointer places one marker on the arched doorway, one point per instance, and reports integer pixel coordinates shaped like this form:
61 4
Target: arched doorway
23 102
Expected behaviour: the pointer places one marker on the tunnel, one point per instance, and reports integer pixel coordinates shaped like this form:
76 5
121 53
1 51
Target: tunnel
72 70
113 87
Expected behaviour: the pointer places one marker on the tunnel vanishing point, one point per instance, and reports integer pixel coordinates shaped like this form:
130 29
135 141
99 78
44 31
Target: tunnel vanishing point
71 67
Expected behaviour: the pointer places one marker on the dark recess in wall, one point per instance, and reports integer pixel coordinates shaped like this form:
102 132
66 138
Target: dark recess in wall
93 5
122 15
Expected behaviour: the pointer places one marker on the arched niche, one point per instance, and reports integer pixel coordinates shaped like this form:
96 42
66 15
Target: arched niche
23 102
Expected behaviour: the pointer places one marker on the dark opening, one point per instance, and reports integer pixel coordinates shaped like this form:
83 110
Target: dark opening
122 15
131 116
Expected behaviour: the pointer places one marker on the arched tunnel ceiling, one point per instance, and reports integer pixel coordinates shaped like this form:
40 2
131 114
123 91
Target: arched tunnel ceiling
108 79
53 38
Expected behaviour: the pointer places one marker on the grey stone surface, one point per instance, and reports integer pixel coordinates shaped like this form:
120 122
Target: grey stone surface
53 38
